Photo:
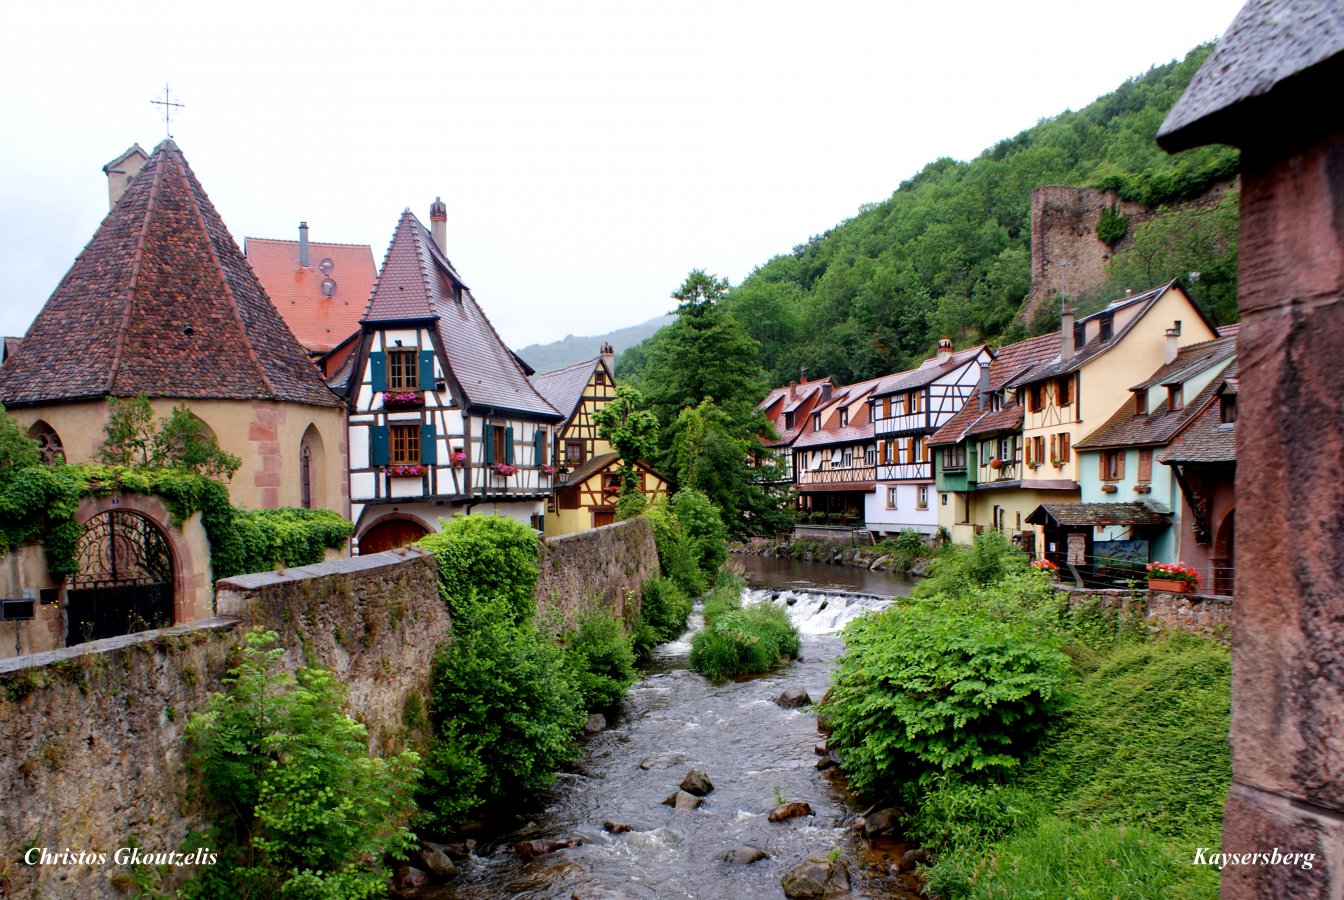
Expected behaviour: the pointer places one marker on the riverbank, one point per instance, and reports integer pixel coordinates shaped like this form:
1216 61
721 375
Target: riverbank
910 559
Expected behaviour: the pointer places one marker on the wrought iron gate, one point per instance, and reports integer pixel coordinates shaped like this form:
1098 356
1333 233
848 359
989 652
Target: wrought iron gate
125 579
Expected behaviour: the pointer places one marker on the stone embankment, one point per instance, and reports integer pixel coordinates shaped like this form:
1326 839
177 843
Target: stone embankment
875 558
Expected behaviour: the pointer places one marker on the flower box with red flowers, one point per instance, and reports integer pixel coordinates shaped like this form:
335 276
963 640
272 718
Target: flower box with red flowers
505 469
406 471
1044 565
1175 578
402 399
1109 488
457 458
549 470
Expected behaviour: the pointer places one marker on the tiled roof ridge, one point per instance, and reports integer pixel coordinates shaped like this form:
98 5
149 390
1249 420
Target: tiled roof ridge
136 261
586 362
232 298
248 237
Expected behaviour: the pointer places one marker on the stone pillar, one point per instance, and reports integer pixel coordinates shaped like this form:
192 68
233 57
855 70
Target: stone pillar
1288 646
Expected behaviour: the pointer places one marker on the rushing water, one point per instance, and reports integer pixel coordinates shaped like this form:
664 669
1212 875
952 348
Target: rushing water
754 751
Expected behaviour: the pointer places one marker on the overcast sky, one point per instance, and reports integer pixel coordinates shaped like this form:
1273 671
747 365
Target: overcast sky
590 154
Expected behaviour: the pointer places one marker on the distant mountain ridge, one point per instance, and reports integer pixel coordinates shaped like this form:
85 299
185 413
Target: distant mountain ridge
576 348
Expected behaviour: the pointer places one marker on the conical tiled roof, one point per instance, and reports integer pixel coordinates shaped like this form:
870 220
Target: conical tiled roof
161 302
419 283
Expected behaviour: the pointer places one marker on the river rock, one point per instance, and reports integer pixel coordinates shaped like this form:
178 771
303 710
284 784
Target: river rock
743 856
814 880
791 601
437 863
879 563
790 811
879 822
618 827
596 722
793 698
663 761
697 782
829 761
821 748
682 800
408 880
533 849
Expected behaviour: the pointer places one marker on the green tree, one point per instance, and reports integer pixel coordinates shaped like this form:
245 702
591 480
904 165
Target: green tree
632 429
180 441
305 810
17 450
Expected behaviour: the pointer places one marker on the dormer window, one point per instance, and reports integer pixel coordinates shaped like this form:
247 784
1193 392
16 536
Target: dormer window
844 417
1107 325
788 420
1227 408
1174 397
1140 403
1079 334
816 421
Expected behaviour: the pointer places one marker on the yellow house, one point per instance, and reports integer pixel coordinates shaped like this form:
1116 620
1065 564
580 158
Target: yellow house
163 303
1100 357
587 476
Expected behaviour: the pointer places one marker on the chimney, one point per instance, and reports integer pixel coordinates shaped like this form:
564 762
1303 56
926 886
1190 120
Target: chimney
438 224
1173 336
944 349
121 172
1129 292
793 390
608 355
984 385
303 245
1065 334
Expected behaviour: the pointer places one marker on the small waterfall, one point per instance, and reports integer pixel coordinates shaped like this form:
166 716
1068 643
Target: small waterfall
818 612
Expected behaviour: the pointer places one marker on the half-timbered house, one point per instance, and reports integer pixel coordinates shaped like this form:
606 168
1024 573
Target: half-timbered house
835 460
587 476
906 409
442 418
788 409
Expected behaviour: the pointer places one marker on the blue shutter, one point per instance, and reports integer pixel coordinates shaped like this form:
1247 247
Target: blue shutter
538 448
378 371
426 370
378 445
429 446
508 445
489 443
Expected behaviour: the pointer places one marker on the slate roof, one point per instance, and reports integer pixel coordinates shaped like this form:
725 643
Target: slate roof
1095 347
1278 58
161 302
1190 361
563 388
1098 514
860 427
1125 429
418 283
1009 363
1207 439
318 321
589 467
929 371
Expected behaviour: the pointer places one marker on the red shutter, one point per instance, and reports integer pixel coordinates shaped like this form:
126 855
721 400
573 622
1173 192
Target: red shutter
1145 465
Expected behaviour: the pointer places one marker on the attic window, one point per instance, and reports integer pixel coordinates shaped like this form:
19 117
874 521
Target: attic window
402 372
788 420
1140 403
1107 328
599 377
1174 398
1227 408
816 421
844 417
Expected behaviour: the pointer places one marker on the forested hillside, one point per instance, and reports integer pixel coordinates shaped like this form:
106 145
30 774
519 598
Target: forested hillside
948 253
576 348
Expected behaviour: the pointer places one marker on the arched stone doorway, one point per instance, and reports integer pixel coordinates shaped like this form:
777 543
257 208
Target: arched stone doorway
125 580
389 534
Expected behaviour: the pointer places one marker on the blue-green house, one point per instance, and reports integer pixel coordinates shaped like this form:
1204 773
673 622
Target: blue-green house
1117 464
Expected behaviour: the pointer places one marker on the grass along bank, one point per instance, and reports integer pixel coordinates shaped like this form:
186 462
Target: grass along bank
1039 750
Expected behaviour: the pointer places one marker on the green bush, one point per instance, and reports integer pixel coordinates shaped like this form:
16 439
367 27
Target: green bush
17 450
676 559
665 608
956 813
741 641
486 557
287 537
303 810
703 525
505 706
924 689
600 657
957 570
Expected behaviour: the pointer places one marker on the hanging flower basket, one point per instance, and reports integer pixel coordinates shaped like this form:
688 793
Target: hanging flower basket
1143 488
1109 489
457 458
549 470
402 398
996 463
1176 578
505 469
406 471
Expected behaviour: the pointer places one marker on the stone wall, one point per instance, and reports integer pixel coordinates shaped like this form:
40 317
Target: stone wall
1195 613
94 754
606 564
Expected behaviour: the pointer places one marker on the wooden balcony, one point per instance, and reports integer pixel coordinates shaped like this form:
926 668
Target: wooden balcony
920 471
838 475
1009 470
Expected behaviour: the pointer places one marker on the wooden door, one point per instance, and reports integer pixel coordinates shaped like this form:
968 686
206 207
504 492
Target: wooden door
390 534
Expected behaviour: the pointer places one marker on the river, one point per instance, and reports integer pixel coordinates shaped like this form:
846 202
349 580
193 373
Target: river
754 751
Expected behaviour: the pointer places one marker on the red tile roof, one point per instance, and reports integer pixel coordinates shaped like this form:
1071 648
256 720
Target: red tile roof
1009 363
161 302
860 425
419 283
319 321
808 395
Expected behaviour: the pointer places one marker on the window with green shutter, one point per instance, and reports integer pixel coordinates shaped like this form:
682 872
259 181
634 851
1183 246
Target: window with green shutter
426 370
508 445
378 449
378 371
429 449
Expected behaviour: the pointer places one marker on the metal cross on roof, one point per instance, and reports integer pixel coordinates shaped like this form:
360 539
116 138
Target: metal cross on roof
168 104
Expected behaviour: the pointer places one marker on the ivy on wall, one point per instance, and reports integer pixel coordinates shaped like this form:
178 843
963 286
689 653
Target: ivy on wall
38 504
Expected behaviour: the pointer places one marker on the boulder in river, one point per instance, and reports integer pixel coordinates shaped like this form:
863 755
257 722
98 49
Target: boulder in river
663 760
743 856
793 698
532 849
408 881
697 782
816 879
437 863
879 822
596 722
682 800
790 811
618 827
829 761
915 857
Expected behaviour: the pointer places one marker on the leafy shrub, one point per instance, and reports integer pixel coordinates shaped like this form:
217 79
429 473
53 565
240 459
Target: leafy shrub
486 557
1113 225
180 441
305 810
665 608
924 689
286 536
957 570
504 707
601 658
955 813
741 641
17 450
703 526
675 557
